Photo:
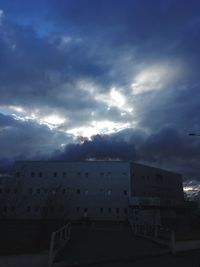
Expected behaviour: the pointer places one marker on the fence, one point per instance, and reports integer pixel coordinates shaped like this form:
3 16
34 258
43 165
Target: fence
59 239
164 236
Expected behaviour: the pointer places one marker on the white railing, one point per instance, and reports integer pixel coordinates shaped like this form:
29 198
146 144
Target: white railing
59 239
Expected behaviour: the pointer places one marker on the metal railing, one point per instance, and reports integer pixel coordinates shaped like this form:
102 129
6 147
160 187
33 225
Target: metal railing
59 239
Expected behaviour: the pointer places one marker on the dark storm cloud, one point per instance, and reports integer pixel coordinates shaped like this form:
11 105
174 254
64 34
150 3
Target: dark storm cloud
27 139
167 148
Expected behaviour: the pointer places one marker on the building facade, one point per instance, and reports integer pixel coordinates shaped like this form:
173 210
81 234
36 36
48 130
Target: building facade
93 190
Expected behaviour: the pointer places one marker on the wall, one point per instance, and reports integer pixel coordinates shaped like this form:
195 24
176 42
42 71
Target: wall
61 190
153 182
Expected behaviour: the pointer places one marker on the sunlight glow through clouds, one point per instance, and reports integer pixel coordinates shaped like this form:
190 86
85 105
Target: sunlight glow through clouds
98 127
155 77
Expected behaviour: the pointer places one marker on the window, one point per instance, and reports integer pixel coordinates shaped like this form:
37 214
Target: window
78 191
28 209
12 208
159 178
125 192
85 209
125 210
0 190
18 174
32 174
44 209
101 210
31 191
40 174
117 210
77 209
38 190
8 191
37 209
53 191
109 210
124 173
63 191
79 173
64 174
5 209
102 174
109 192
55 174
86 174
15 191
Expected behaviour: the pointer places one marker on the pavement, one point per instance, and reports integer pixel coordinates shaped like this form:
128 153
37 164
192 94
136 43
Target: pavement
95 246
25 260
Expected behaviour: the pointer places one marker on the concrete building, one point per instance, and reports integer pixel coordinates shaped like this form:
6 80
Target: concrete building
95 190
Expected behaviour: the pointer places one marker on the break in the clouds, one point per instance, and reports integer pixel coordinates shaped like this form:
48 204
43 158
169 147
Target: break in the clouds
77 70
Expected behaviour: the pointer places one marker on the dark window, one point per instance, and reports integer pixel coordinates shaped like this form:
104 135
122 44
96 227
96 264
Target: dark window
64 173
125 210
63 191
5 209
109 210
85 209
18 174
8 191
44 209
125 192
36 209
102 174
12 209
101 210
78 191
79 173
117 210
28 209
77 209
15 191
159 178
32 174
40 174
31 191
38 190
124 173
52 209
55 174
0 190
86 174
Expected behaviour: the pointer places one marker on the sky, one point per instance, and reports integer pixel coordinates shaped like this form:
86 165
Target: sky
109 79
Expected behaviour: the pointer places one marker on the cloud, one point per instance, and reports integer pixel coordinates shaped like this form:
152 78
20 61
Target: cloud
25 139
128 70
